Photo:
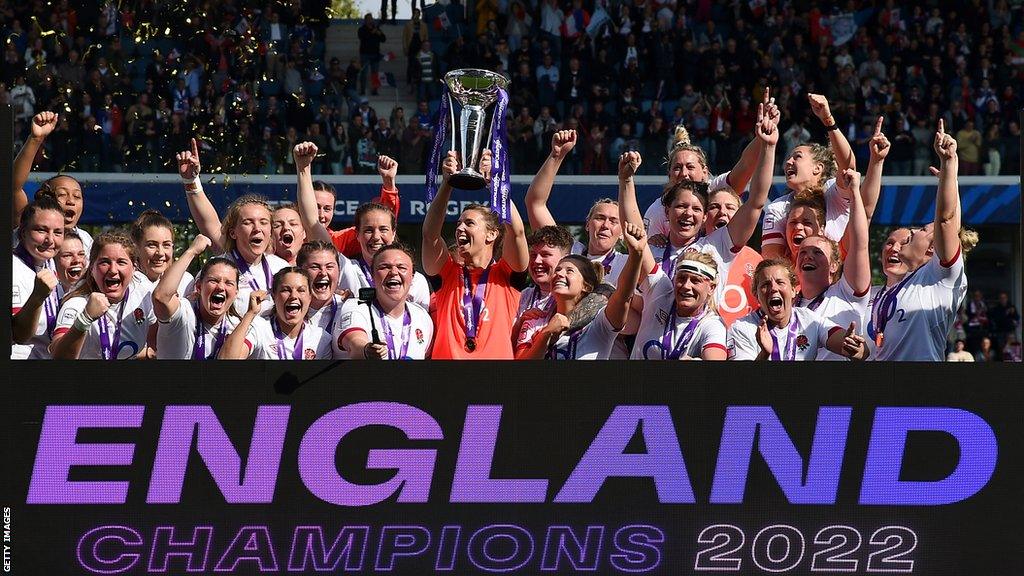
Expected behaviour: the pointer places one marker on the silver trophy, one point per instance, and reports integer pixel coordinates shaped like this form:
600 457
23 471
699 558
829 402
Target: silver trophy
475 90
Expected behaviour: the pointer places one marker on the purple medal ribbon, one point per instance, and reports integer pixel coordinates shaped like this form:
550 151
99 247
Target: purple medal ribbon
280 336
606 263
473 301
794 327
884 306
812 305
389 336
108 348
199 346
499 160
51 304
440 135
670 352
243 268
366 272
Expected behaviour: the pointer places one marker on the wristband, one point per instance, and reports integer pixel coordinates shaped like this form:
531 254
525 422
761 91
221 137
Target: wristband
83 322
834 126
193 186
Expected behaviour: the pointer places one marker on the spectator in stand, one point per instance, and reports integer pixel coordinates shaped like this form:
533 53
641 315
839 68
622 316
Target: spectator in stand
1003 320
1012 349
977 325
959 354
969 142
370 39
413 36
427 86
985 351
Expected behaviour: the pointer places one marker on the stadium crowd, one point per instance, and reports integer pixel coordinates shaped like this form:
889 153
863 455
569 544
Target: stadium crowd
136 80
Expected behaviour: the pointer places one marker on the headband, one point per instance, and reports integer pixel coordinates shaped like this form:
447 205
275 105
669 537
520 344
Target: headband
697 267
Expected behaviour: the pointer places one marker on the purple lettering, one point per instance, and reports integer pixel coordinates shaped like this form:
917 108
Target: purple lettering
58 453
745 423
93 558
639 548
448 548
487 552
415 467
396 541
308 544
183 423
605 458
563 541
979 452
473 482
195 550
257 548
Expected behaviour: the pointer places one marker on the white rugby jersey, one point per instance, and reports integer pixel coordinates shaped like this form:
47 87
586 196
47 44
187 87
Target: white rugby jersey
533 297
659 304
352 277
803 339
839 304
776 214
655 218
592 342
409 340
920 312
258 276
616 261
180 338
185 287
121 332
316 344
718 244
23 282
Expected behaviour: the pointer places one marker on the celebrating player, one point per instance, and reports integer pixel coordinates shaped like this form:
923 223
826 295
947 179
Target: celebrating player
153 235
35 291
195 327
406 326
546 333
244 236
548 245
284 333
781 332
910 320
63 187
71 261
288 233
842 299
680 321
109 315
320 260
476 305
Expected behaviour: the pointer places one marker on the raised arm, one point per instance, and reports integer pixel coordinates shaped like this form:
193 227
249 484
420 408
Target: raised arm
435 251
629 210
562 142
304 153
165 294
947 199
743 171
202 210
617 309
514 249
857 266
42 125
836 139
234 347
744 222
24 322
871 187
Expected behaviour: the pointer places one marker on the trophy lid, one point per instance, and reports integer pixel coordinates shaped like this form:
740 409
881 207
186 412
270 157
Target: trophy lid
483 85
